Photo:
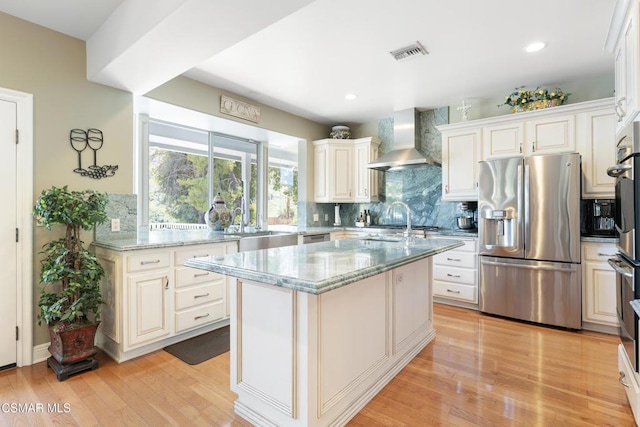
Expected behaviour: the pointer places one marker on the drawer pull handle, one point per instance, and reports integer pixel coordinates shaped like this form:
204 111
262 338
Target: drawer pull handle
155 261
607 255
620 380
453 275
200 274
201 317
200 256
453 291
201 296
454 259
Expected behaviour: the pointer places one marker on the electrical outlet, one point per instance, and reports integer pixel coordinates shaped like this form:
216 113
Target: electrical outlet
316 217
115 224
326 217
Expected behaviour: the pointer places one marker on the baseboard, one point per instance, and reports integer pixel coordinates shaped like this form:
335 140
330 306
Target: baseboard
41 353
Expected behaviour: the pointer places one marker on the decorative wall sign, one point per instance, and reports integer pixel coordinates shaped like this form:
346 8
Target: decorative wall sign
93 139
240 109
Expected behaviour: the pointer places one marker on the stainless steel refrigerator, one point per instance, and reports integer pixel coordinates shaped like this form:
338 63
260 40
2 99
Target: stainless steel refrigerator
529 237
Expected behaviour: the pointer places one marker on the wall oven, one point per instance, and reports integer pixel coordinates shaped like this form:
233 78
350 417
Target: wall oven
627 222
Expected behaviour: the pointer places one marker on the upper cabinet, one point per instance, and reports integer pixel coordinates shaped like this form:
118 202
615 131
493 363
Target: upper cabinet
586 128
460 156
622 40
341 174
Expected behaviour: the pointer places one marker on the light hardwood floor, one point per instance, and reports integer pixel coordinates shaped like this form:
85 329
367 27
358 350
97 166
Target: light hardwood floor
480 370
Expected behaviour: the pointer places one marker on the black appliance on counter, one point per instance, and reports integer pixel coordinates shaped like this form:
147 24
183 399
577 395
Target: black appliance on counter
627 224
598 218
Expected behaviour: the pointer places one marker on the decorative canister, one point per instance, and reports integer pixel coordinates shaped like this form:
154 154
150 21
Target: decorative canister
218 217
340 132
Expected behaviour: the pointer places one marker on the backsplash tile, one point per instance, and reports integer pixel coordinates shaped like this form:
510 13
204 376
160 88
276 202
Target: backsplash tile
124 207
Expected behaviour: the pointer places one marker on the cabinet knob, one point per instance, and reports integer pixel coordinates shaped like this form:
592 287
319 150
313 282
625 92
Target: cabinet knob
521 148
533 146
446 189
166 282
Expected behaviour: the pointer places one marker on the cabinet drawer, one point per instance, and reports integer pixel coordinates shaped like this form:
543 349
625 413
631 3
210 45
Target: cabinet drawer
186 276
600 252
199 316
469 245
197 295
198 252
456 259
455 291
148 261
455 275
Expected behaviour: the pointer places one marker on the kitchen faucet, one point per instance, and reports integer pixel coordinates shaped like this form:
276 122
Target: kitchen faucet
407 233
235 213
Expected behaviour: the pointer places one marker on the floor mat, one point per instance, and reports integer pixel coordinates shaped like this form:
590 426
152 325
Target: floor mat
203 347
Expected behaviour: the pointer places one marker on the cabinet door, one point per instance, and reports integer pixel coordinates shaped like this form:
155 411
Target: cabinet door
365 179
147 308
460 156
556 134
598 153
630 53
341 173
505 140
320 178
598 284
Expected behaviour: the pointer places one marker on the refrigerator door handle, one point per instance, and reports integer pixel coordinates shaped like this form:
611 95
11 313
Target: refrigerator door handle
526 202
567 268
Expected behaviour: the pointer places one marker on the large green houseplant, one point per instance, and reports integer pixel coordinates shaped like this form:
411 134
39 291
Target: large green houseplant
70 297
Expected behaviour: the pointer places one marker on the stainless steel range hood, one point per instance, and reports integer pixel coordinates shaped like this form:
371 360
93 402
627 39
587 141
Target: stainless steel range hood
406 140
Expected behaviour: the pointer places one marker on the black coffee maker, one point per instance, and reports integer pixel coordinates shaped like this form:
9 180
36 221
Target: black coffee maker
598 218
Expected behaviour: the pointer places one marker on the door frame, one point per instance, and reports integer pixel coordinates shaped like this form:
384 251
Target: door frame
24 222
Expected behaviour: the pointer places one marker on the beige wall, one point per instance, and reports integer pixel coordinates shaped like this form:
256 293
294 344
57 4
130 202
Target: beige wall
51 66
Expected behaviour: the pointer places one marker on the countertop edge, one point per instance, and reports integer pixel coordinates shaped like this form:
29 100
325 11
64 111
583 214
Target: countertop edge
322 286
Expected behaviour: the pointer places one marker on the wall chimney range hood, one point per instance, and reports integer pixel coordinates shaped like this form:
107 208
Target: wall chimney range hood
406 140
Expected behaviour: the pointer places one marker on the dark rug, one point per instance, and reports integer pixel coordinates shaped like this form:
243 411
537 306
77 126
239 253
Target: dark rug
203 347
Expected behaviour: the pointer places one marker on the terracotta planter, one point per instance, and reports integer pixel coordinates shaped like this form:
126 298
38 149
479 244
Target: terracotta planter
72 343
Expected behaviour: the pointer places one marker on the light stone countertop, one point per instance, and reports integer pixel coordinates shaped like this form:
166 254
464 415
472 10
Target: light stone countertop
321 267
162 239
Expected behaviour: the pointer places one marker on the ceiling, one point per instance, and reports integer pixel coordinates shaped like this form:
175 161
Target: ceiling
305 56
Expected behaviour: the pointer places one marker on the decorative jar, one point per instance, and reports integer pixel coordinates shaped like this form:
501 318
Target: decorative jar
218 217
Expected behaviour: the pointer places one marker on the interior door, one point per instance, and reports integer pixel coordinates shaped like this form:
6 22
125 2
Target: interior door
8 245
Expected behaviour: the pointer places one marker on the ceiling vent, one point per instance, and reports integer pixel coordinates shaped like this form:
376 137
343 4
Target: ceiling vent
409 51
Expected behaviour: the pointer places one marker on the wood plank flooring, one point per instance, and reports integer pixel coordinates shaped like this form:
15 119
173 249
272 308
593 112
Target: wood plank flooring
480 370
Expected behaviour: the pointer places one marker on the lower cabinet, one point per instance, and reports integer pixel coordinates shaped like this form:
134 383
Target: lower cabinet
629 380
598 287
152 300
455 275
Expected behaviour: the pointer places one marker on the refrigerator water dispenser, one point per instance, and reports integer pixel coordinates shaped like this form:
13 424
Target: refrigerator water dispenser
500 229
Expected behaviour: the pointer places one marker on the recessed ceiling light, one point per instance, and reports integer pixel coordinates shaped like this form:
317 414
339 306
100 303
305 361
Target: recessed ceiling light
350 96
535 46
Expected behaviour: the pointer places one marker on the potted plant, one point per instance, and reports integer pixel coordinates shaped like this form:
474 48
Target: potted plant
70 297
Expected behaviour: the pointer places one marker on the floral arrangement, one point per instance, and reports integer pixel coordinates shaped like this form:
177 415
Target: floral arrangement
525 100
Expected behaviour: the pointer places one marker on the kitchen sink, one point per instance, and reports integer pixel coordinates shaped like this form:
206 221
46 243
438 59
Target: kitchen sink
251 241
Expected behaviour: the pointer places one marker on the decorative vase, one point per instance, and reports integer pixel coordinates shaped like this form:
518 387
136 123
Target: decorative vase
218 217
340 132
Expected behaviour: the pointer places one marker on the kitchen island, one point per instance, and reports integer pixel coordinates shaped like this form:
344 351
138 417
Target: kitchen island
318 330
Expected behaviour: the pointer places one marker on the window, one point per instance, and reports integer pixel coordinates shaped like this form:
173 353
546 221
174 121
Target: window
188 167
181 185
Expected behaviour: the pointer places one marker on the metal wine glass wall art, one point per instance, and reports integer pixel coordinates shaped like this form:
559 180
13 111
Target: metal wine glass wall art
92 139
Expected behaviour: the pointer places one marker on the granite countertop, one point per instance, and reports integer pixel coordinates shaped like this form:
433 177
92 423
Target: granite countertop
162 239
321 267
636 306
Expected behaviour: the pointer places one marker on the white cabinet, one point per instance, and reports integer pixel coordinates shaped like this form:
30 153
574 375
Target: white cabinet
596 143
341 174
628 379
622 40
455 274
503 140
152 300
598 286
585 128
460 156
365 179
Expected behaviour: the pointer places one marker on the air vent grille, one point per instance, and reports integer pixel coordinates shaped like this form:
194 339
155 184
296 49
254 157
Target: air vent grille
409 51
